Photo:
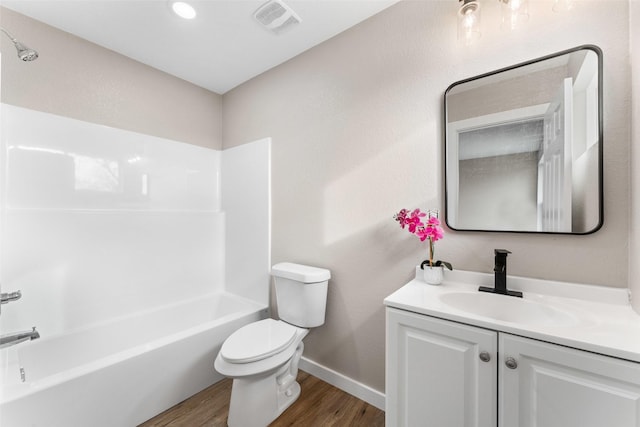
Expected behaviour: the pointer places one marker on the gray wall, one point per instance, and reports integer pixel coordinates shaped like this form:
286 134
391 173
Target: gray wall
78 79
356 124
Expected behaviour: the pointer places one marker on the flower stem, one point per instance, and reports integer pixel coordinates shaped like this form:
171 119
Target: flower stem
430 252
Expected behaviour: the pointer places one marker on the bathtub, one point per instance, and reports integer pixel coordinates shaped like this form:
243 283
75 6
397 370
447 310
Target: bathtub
121 372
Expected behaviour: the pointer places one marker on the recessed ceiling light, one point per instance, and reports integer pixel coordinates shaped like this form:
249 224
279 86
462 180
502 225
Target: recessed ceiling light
183 10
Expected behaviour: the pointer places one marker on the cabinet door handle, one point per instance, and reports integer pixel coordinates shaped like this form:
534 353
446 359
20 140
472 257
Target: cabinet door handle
485 356
511 363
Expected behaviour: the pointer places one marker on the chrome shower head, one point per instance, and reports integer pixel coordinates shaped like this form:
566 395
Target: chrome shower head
24 53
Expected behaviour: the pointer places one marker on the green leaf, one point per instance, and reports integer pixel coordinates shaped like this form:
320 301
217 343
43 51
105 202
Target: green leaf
436 264
446 264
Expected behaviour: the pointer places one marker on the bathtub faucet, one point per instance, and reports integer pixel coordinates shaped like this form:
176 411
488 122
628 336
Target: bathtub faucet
8 340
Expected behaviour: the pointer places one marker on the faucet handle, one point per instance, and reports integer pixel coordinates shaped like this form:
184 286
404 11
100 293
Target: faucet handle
501 260
6 298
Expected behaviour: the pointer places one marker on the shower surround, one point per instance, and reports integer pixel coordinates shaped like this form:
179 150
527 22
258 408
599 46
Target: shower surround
114 237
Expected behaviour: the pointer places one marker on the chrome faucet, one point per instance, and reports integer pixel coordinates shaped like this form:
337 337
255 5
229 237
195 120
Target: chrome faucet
8 340
500 280
6 298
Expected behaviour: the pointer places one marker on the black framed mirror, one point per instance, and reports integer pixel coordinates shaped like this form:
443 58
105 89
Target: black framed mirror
523 147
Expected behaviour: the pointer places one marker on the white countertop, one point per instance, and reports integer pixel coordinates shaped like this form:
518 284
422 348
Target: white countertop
593 318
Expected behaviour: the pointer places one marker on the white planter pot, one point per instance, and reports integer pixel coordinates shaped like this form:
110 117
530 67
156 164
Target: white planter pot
433 275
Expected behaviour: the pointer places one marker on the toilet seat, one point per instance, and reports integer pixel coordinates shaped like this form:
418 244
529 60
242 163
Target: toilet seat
266 364
257 341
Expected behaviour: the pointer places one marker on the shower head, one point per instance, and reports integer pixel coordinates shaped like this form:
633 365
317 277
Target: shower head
24 53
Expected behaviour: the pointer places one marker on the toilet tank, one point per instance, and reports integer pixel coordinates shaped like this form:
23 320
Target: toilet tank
301 293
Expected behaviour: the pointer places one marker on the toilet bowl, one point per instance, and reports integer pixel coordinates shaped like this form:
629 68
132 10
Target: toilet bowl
262 357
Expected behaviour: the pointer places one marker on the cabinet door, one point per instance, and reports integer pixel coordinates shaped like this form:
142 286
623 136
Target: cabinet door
548 385
434 375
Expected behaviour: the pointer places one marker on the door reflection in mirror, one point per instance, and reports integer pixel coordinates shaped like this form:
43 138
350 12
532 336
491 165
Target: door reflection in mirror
523 147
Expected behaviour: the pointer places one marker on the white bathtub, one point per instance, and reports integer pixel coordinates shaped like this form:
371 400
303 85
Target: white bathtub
122 372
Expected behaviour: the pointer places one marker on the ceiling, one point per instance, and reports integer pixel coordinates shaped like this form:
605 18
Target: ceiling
218 50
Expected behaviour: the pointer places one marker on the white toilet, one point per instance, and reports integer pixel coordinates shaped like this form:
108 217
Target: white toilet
262 357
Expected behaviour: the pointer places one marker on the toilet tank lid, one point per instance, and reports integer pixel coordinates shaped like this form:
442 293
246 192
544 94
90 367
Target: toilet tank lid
300 273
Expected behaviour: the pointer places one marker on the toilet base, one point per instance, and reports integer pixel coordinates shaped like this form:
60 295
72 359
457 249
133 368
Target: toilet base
257 401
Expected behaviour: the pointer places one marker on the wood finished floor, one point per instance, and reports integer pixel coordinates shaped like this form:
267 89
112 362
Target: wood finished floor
319 405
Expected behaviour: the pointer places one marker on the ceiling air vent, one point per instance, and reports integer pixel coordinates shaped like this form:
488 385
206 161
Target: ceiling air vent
276 16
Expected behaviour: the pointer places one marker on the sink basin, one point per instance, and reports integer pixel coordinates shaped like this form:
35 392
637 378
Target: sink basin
507 308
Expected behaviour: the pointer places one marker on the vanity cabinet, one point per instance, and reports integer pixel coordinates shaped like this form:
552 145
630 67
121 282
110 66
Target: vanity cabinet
547 385
445 373
435 376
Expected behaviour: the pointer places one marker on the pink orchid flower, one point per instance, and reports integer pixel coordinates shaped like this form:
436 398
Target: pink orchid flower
434 221
401 217
422 233
431 231
436 233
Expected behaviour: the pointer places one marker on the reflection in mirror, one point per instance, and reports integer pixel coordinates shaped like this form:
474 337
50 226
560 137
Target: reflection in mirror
524 147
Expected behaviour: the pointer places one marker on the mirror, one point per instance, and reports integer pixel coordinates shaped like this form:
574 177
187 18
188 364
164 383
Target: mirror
523 147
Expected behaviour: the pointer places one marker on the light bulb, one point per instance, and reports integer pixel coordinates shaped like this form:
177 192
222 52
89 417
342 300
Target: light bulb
469 21
514 13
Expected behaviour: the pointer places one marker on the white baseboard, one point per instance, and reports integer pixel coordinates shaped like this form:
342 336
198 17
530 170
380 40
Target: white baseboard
344 383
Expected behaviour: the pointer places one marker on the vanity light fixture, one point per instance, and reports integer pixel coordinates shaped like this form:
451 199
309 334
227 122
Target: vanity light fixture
514 13
183 10
469 21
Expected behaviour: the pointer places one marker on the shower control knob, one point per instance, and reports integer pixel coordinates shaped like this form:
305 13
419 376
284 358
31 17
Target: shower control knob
11 296
511 363
485 356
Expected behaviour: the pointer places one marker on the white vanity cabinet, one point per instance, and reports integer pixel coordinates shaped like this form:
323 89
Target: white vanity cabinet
445 373
547 385
434 375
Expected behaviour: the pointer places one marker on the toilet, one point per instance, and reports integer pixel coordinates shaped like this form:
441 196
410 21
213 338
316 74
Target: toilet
262 357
